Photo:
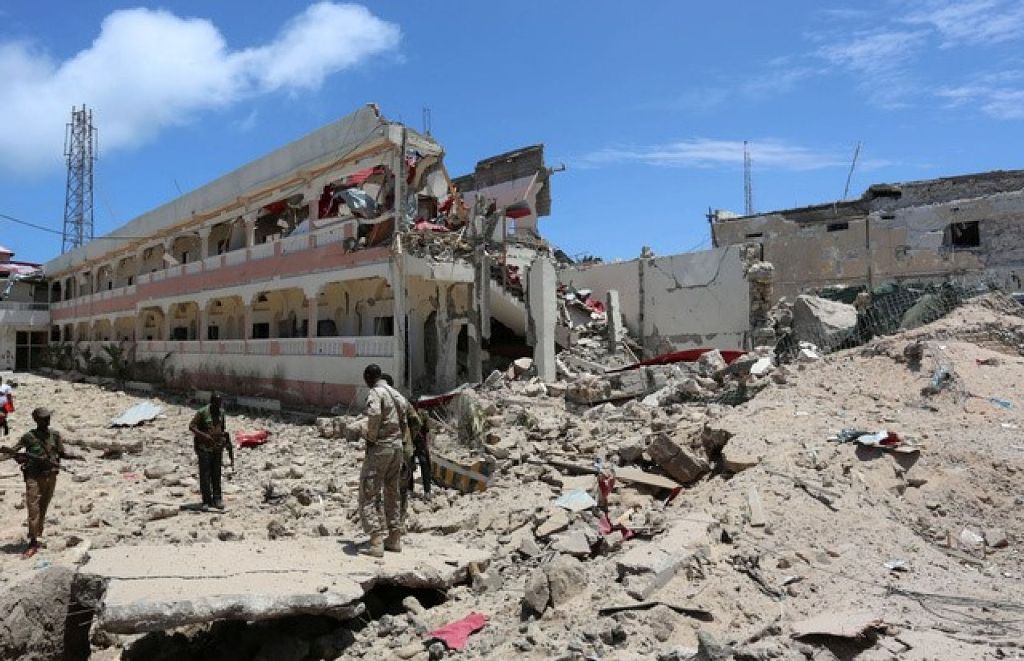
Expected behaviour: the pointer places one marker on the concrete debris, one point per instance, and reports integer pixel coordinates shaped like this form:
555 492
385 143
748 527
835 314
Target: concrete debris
152 588
996 538
700 484
828 324
34 617
684 464
846 624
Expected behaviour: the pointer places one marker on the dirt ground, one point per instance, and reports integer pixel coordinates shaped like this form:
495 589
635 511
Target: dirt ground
786 525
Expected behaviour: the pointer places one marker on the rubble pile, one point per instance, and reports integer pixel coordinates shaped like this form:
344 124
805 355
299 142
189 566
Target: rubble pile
841 508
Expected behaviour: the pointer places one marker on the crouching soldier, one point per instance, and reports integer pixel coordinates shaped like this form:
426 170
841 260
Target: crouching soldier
210 438
40 453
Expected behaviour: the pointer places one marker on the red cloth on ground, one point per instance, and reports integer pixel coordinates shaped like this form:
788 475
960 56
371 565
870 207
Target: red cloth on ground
251 439
456 634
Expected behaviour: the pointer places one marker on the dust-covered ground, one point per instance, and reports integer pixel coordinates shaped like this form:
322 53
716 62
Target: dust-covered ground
919 553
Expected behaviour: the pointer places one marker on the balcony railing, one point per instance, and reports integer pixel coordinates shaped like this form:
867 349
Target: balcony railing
24 307
334 233
340 347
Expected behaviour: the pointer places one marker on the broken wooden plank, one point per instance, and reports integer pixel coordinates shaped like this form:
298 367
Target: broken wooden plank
638 476
757 517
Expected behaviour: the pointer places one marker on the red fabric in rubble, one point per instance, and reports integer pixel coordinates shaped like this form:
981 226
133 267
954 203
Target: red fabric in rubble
685 356
251 439
456 634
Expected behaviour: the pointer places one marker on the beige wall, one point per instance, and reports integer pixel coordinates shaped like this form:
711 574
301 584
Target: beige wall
899 245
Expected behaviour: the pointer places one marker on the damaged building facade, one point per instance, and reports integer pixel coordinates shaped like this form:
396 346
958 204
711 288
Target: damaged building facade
291 274
24 313
965 228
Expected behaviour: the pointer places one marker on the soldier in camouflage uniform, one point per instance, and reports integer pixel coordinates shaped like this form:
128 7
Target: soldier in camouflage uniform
42 449
382 467
210 439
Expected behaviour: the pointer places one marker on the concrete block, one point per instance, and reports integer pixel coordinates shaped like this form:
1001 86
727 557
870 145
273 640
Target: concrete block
680 462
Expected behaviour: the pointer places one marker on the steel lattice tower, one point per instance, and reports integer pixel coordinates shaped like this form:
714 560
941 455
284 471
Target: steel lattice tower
80 150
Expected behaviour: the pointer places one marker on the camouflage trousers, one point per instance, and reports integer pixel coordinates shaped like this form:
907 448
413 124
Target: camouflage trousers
379 495
38 493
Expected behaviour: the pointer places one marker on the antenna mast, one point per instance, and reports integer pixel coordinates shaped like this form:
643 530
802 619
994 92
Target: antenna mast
80 151
426 120
849 176
748 187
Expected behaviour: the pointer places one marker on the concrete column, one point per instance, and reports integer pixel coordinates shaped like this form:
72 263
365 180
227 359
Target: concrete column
416 348
447 333
312 313
168 313
312 197
249 220
541 292
201 319
247 320
482 292
475 357
613 313
204 242
400 311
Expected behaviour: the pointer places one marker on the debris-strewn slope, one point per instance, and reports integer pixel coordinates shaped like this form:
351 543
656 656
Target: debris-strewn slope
778 524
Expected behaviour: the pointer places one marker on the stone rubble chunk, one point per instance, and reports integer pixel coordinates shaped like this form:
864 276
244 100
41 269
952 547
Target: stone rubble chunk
681 463
566 578
573 542
996 538
558 521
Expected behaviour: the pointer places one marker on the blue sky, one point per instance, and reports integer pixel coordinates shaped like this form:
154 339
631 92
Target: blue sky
647 106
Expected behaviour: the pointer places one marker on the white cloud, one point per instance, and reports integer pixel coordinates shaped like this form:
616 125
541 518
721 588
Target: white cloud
882 62
711 153
1001 101
971 21
149 69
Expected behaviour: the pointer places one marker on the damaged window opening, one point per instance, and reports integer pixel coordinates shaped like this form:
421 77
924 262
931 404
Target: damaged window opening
837 227
962 235
755 235
384 326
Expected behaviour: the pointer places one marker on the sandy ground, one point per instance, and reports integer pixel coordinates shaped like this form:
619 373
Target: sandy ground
956 595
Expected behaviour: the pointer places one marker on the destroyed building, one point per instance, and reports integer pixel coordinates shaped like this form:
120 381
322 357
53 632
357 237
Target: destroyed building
966 228
323 256
24 319
351 246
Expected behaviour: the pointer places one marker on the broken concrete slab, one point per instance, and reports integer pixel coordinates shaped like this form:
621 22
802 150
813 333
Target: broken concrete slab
848 624
573 542
152 588
637 476
558 521
679 461
735 460
677 544
823 322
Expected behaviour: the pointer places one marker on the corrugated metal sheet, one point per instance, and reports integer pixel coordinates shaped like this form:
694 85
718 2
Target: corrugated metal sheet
137 415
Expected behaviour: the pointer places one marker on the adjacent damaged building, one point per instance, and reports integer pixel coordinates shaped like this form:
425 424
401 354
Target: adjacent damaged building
24 313
969 228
